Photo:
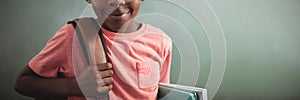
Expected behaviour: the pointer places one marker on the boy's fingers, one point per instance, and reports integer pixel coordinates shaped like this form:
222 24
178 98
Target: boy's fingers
104 82
108 81
104 66
105 74
109 87
104 89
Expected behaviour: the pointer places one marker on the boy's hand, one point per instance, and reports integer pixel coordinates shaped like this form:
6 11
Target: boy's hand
104 77
95 80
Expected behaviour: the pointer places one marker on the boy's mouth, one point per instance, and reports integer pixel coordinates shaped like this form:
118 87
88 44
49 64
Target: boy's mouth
119 14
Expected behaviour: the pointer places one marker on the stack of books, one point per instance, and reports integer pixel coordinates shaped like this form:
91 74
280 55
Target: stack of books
180 92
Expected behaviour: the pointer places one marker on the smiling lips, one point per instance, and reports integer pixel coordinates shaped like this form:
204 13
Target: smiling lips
119 15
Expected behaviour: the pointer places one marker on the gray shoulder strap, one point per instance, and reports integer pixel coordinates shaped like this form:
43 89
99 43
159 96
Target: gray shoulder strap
87 30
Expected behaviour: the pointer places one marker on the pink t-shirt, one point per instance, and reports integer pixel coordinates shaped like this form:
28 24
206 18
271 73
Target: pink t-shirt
140 60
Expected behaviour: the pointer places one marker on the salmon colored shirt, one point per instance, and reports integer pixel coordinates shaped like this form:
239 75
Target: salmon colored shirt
140 60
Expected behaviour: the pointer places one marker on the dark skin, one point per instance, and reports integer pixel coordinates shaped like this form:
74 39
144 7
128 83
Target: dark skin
92 80
117 16
30 84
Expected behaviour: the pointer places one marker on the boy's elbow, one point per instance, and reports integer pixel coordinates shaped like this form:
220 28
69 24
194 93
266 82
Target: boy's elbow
18 86
23 81
21 86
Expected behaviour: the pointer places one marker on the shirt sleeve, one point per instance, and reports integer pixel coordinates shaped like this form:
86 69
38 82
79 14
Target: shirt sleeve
165 72
49 60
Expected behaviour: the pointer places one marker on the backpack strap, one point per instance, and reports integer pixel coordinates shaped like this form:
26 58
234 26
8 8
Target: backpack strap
86 31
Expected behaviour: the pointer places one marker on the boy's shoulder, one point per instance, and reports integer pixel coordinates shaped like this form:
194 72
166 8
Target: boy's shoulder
151 28
155 30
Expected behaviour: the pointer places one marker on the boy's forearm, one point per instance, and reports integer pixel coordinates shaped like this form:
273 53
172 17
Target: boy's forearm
30 84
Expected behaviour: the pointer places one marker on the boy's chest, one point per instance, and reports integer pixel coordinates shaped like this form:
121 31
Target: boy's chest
134 61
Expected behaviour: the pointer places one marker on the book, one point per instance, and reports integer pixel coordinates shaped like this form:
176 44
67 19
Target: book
180 92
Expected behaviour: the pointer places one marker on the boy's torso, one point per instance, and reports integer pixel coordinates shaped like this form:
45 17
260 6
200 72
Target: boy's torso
136 57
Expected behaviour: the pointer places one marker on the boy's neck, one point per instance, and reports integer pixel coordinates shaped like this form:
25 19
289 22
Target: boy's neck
129 27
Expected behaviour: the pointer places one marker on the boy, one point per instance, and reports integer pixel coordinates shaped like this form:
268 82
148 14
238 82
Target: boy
140 58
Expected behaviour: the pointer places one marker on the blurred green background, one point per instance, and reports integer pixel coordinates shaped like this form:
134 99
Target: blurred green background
262 41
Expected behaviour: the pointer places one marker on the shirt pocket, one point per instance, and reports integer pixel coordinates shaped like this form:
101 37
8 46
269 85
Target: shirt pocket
148 74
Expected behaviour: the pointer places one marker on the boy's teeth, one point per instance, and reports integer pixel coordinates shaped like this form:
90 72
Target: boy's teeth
123 15
118 14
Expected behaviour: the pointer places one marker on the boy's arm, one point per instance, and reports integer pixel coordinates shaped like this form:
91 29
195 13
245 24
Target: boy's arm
91 80
165 72
30 84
